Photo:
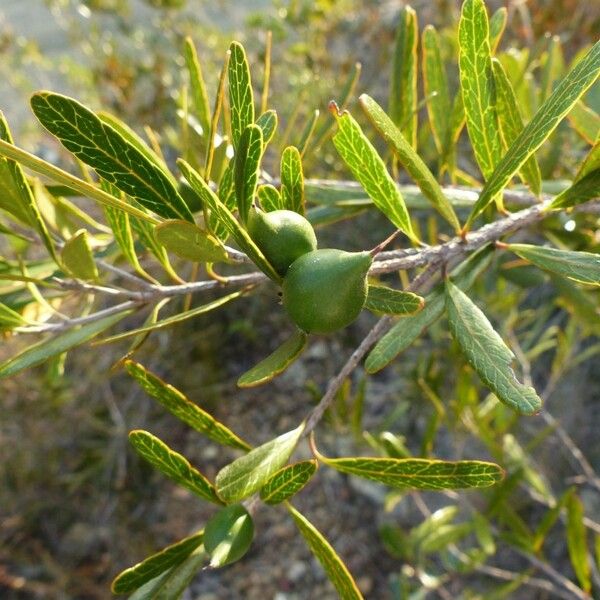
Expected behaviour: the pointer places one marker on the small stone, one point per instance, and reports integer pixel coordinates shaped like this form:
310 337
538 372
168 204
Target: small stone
296 571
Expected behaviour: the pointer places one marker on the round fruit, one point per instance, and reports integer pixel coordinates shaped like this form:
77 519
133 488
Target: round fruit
228 535
282 235
325 290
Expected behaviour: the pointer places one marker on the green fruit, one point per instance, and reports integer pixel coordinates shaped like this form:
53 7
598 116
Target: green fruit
282 235
228 535
325 290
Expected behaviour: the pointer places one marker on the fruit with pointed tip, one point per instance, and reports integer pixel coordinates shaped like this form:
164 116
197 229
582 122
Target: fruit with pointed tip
282 236
228 535
325 290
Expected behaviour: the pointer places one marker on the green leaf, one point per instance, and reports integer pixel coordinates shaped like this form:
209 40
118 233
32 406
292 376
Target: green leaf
579 266
224 215
411 161
225 193
177 318
133 578
241 98
292 180
477 85
172 464
369 169
388 301
269 197
486 352
57 344
120 224
419 473
497 27
408 329
249 473
268 124
77 258
276 363
198 87
105 150
582 190
403 86
308 131
10 318
585 121
334 566
188 241
436 88
577 542
288 481
184 409
247 164
511 124
16 196
549 519
228 535
591 162
545 120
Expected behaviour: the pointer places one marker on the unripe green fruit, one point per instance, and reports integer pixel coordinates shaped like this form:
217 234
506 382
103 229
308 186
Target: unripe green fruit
228 535
325 290
282 235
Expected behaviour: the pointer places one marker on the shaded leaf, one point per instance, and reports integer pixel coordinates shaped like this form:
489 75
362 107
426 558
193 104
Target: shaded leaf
198 87
241 99
579 266
188 241
543 123
577 541
246 166
77 258
173 584
369 169
497 26
411 161
228 535
249 473
549 519
58 343
336 570
172 464
582 190
288 481
486 352
585 121
276 363
105 150
388 301
292 180
133 578
184 409
10 318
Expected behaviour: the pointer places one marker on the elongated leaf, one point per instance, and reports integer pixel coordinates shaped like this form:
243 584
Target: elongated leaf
411 161
586 188
549 519
120 224
224 215
579 266
369 169
420 473
10 318
268 124
334 566
225 193
241 98
77 257
177 318
57 344
577 542
308 131
288 481
172 464
269 197
183 408
109 154
249 473
199 95
403 86
477 85
585 121
497 27
511 124
486 352
276 363
16 196
247 163
292 180
545 120
388 301
408 329
436 88
189 241
173 583
133 578
591 162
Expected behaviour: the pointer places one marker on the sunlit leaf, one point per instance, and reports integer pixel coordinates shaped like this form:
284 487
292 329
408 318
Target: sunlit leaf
268 124
241 99
188 241
250 472
585 121
388 301
497 26
292 180
577 541
228 535
288 481
582 190
198 87
269 197
77 257
246 166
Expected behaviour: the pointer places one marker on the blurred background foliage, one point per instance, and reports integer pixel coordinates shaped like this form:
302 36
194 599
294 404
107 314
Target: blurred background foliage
76 505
